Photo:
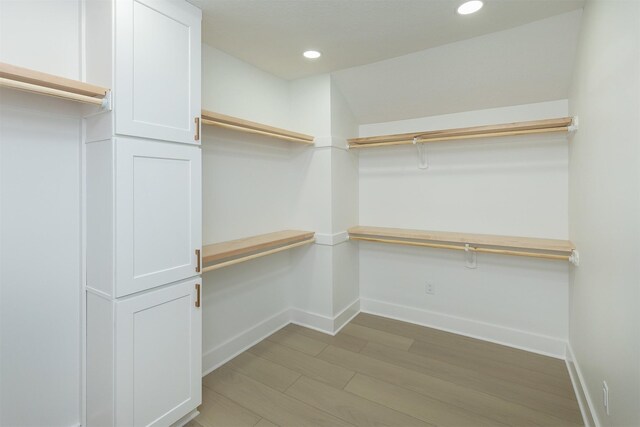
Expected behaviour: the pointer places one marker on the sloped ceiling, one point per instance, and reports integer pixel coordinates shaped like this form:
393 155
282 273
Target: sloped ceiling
527 64
272 34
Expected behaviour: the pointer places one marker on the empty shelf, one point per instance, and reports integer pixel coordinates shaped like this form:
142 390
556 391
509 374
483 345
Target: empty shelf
506 245
491 131
24 79
223 254
234 123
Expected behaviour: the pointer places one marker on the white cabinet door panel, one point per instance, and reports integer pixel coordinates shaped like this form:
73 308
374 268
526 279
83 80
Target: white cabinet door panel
157 85
158 349
158 214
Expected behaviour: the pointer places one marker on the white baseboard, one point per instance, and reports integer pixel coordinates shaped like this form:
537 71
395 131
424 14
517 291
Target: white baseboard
229 349
542 344
326 324
184 420
589 415
345 316
311 320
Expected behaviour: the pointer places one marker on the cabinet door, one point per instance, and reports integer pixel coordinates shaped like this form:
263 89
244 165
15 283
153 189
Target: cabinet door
158 356
158 213
157 69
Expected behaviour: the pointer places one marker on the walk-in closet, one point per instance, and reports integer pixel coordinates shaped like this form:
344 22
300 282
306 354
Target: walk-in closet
239 213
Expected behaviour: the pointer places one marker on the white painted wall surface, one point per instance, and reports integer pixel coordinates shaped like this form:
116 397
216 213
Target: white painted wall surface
502 186
233 87
40 222
247 189
512 186
604 209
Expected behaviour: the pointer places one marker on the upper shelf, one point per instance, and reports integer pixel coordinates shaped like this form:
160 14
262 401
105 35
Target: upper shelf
491 131
229 122
19 78
223 254
506 245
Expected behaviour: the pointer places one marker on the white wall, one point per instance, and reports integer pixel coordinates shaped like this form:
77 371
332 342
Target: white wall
516 187
40 225
233 87
604 209
247 189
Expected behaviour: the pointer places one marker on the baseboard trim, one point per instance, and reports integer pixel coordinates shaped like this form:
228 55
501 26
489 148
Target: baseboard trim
229 349
184 420
541 344
311 320
345 316
585 402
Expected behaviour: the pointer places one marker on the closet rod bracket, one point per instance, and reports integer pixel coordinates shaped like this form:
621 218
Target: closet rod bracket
573 127
471 256
106 102
423 161
574 258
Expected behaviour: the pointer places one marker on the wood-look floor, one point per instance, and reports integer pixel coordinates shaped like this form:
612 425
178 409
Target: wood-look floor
383 372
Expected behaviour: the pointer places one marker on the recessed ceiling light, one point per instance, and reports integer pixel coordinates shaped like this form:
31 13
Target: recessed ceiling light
470 7
312 54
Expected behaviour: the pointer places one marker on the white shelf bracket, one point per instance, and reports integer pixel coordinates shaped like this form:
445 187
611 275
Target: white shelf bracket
574 258
573 127
104 107
471 257
106 102
423 161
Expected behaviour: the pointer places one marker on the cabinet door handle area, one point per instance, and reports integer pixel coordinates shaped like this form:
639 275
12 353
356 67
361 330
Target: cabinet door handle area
197 136
197 260
198 295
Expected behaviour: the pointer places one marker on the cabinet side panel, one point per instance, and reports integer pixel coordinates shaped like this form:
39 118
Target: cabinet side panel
100 232
100 366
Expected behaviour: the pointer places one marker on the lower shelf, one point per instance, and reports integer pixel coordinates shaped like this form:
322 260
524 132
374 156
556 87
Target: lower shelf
224 254
505 245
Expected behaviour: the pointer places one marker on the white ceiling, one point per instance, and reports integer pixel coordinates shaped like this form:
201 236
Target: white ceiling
528 64
272 34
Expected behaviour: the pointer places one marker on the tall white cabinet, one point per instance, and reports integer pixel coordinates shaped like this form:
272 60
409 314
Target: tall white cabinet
143 214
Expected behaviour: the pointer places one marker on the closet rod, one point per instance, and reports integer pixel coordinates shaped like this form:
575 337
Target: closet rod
420 140
42 90
257 255
255 131
464 248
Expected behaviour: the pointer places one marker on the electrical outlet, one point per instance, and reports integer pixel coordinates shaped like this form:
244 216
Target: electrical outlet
430 289
605 396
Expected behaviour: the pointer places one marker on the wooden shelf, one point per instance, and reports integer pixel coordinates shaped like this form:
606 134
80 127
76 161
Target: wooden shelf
506 245
234 123
491 131
223 254
28 80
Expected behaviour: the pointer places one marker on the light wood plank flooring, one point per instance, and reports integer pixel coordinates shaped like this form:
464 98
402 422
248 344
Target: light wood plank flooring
383 372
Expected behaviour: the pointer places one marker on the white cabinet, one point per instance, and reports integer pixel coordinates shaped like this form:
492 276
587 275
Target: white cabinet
144 214
144 356
157 69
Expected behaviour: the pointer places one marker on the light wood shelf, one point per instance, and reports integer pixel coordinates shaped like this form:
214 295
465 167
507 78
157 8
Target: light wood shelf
24 79
491 131
486 243
234 123
224 254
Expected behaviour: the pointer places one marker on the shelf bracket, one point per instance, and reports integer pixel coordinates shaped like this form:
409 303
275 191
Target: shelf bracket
423 161
574 258
471 257
106 102
573 127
